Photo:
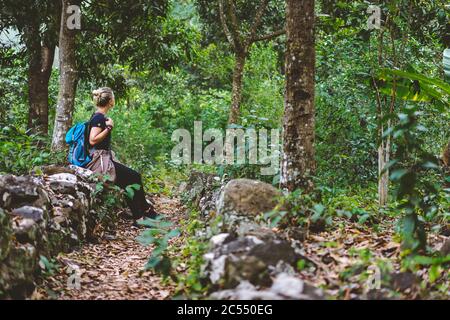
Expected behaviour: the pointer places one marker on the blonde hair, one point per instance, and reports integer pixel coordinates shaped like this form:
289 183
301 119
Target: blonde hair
102 96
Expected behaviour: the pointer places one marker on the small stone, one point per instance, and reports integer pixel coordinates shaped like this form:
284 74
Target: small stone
445 249
26 231
288 286
403 281
64 187
218 240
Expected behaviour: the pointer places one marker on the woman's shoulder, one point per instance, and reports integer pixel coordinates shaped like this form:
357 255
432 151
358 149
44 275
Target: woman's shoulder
98 119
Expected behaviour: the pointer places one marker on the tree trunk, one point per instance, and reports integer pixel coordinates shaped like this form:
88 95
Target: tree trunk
446 161
236 95
298 163
39 71
384 153
67 79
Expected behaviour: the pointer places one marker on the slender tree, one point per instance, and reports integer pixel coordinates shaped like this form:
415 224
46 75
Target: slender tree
241 44
241 23
298 163
68 76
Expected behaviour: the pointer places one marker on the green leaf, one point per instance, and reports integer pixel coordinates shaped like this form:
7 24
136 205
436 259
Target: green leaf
398 174
434 273
130 190
153 262
430 165
173 233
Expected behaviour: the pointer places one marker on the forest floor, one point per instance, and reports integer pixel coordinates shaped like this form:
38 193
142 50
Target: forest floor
348 254
113 268
343 256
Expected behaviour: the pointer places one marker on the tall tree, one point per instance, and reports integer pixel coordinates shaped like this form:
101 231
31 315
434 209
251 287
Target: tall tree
242 23
41 56
68 75
298 163
37 24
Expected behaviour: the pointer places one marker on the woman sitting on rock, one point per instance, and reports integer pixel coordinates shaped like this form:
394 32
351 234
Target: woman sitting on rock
103 159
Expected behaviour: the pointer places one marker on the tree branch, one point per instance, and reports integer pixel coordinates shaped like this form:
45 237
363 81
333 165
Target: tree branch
234 25
269 36
225 26
258 20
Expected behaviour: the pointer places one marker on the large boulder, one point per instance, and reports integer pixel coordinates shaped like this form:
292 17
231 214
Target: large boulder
247 258
242 200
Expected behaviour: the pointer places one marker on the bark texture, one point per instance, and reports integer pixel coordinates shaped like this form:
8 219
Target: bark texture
446 161
298 163
236 95
67 79
41 55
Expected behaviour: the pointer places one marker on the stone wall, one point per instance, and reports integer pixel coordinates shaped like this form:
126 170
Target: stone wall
46 213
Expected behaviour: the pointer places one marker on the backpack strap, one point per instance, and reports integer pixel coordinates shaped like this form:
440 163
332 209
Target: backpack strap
87 133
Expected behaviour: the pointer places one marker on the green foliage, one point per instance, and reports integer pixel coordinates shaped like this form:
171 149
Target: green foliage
20 153
191 281
317 209
48 267
412 192
413 86
131 189
109 197
298 209
158 233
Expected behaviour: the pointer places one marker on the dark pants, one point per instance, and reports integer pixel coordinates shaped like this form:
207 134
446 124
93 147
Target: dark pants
125 177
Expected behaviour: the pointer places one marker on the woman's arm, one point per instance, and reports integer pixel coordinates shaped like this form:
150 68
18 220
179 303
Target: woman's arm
97 134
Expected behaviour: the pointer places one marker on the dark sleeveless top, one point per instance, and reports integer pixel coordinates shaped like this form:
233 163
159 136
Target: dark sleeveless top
99 120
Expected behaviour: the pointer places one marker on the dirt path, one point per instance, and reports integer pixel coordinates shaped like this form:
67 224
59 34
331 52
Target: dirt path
112 268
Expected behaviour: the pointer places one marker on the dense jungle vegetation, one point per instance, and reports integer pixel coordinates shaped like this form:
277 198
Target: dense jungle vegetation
373 191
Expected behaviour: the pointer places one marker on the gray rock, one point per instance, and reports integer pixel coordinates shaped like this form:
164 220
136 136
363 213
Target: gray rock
402 281
290 287
207 203
68 177
247 258
5 234
218 239
16 192
200 184
63 186
29 212
445 248
17 271
26 231
273 251
284 287
245 197
245 291
82 172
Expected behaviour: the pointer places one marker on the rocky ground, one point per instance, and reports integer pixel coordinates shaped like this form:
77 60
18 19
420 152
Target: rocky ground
245 258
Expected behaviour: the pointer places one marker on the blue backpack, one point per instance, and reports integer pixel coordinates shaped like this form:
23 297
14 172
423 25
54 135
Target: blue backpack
78 140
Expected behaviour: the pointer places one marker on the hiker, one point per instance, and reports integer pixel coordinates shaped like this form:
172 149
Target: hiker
103 158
